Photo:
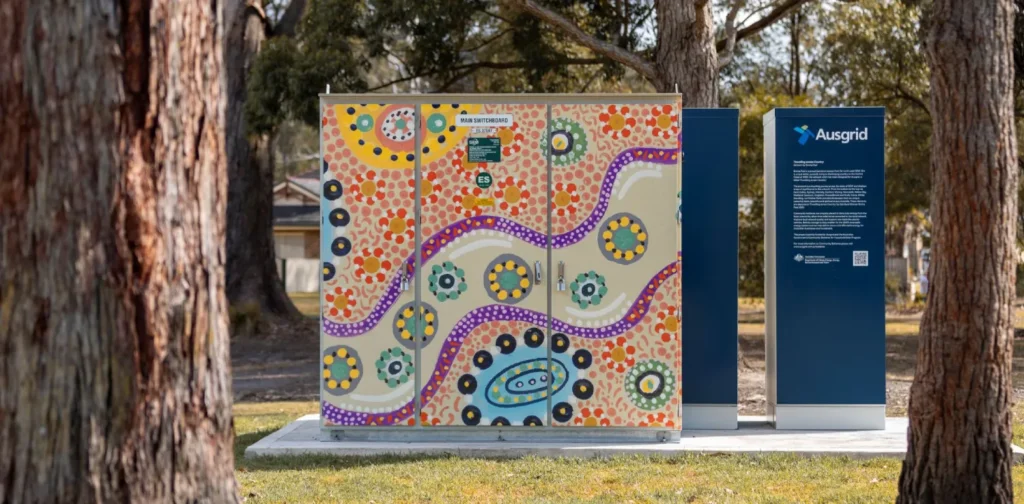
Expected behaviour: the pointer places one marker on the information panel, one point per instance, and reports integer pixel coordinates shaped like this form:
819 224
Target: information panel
825 267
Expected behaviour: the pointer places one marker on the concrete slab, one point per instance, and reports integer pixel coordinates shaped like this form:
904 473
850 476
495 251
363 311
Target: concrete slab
754 436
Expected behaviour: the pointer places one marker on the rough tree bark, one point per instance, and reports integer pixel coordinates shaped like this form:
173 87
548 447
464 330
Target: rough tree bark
686 56
252 277
114 382
960 417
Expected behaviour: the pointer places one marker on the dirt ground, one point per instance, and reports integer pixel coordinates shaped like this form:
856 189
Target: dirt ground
274 368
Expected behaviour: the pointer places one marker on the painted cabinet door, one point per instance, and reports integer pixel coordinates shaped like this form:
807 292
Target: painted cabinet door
485 208
503 200
615 252
367 242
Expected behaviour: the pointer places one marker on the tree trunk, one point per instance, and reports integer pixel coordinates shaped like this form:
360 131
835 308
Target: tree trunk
685 57
253 284
114 382
960 417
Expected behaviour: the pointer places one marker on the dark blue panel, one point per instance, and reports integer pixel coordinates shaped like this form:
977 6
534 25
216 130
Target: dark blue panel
830 317
830 112
710 247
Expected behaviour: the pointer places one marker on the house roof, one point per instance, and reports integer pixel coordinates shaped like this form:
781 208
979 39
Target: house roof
309 180
296 215
306 185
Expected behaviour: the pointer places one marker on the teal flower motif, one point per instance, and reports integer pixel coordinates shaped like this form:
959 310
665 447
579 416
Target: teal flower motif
395 367
588 289
568 142
447 281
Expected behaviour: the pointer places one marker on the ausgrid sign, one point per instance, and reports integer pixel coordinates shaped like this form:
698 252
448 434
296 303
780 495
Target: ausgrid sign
855 134
824 274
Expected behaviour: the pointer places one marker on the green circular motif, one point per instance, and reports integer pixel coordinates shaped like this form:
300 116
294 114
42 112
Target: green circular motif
447 281
364 123
342 369
436 123
508 280
650 384
568 142
624 239
395 367
588 289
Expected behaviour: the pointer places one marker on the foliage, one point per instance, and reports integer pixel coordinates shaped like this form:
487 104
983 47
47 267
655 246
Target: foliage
875 58
438 45
861 54
751 218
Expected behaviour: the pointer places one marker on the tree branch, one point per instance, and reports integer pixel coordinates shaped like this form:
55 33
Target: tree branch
769 19
472 67
290 19
725 55
612 51
484 43
902 92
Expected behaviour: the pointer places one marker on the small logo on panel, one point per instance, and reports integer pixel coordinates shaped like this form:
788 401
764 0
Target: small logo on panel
798 258
805 134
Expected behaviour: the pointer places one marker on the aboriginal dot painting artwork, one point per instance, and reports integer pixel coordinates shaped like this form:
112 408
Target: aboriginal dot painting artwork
520 209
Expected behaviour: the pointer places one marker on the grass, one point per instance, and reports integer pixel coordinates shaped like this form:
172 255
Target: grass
688 478
307 302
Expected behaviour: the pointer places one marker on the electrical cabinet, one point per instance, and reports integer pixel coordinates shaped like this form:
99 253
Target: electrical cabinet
501 262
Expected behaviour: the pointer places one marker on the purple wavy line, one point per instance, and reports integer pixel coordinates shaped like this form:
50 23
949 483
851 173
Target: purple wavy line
490 313
489 222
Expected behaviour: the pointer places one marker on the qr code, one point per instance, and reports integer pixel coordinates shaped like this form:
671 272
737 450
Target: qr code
860 257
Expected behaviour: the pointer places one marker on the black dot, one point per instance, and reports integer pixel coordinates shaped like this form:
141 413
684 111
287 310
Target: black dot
506 343
482 359
582 359
394 157
341 246
583 389
436 105
440 139
328 271
377 151
362 142
410 157
534 337
500 421
471 415
339 217
451 128
559 343
467 384
352 127
426 150
332 189
532 421
351 111
455 105
562 412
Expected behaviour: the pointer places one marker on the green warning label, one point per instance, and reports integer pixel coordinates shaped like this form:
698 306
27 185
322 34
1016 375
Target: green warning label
484 150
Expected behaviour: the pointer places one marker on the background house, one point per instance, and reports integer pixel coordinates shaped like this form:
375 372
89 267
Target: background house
297 230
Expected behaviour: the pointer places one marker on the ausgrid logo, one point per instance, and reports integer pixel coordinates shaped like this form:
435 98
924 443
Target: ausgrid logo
805 134
848 136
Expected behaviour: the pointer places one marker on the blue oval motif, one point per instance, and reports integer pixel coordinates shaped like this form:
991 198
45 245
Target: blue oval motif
525 382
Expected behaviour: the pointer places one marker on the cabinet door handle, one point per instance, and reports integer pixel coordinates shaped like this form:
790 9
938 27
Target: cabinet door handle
537 275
